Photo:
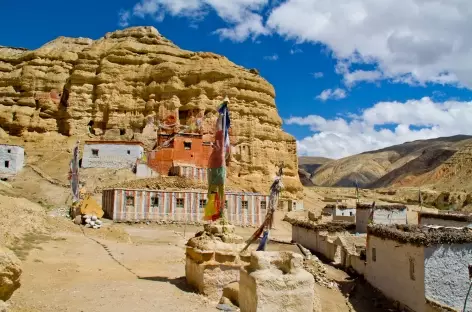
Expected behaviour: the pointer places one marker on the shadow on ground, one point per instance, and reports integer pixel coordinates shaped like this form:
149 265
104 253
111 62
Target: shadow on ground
179 282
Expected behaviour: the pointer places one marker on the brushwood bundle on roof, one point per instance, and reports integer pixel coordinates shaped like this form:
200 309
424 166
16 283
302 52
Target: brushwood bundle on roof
381 207
330 206
330 227
342 207
447 216
421 235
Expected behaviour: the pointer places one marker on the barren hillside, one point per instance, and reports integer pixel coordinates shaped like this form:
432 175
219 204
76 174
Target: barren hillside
395 165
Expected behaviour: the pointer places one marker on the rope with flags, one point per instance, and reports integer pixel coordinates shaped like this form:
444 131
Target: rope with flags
357 191
275 190
214 209
74 173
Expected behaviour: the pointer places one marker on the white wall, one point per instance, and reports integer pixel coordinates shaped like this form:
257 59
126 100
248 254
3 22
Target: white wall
111 155
143 171
447 274
345 212
390 273
15 155
362 220
442 222
382 216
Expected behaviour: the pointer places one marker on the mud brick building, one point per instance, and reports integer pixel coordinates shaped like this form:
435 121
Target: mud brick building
111 154
12 158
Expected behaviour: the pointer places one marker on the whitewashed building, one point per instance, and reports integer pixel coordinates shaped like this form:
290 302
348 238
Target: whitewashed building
12 159
424 268
382 214
111 154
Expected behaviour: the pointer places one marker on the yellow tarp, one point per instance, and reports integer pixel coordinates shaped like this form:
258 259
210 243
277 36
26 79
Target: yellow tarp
90 207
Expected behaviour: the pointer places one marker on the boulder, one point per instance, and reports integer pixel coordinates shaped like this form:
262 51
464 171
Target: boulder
10 271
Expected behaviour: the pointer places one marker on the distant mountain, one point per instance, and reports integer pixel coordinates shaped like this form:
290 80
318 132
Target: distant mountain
307 165
409 164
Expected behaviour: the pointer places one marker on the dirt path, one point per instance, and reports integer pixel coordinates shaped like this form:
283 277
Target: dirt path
77 274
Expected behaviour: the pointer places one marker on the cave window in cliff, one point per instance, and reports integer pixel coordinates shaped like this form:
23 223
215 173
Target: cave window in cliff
122 131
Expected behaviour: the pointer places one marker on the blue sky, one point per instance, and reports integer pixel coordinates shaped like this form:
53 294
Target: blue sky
349 76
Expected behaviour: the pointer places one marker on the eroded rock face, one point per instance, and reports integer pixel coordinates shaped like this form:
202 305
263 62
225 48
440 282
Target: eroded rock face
10 272
116 84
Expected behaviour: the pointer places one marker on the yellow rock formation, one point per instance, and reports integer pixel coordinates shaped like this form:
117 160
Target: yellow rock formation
122 79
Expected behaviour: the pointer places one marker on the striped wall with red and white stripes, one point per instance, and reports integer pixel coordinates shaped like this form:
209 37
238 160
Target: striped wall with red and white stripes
147 205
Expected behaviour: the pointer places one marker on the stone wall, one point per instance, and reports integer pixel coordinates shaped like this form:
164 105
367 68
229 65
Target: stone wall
12 159
447 274
398 271
111 155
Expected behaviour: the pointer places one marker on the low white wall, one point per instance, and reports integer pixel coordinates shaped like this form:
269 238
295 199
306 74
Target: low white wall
143 171
447 274
382 216
390 273
357 264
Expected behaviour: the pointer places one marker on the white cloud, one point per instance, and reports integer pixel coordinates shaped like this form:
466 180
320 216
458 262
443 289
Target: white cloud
408 41
336 94
296 51
124 18
317 75
273 57
411 120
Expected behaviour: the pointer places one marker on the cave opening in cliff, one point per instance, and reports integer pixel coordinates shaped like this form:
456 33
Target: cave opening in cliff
122 131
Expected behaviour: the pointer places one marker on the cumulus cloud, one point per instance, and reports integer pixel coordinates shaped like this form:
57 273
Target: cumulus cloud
124 17
273 57
408 41
329 94
382 125
317 75
296 51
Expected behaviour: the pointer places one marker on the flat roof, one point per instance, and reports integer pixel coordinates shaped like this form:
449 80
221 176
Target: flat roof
180 191
381 207
5 144
330 227
114 142
422 235
447 216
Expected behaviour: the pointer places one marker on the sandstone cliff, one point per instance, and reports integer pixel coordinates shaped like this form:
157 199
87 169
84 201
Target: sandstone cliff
115 83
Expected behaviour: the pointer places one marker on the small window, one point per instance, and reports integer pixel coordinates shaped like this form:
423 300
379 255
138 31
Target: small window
263 205
244 204
129 152
187 145
342 213
203 203
180 203
350 213
226 204
155 201
95 152
412 269
122 131
7 164
374 255
9 151
129 200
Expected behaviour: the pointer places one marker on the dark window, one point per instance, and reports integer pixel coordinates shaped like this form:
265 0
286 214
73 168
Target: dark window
122 131
350 213
203 202
129 200
95 152
412 269
263 205
129 152
155 201
180 203
7 164
374 255
9 151
226 204
244 204
187 145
